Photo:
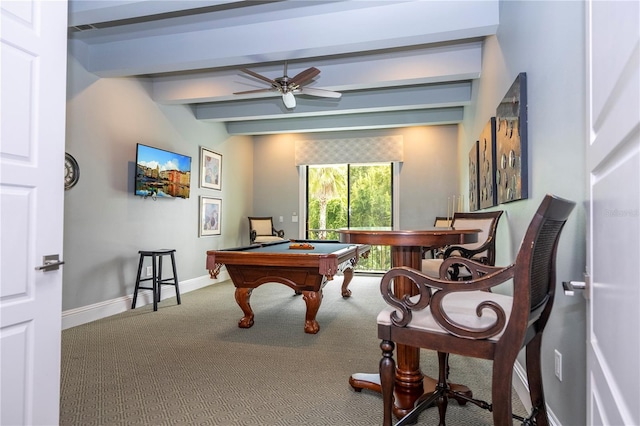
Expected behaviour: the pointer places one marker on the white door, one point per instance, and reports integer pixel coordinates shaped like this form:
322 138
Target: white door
613 162
33 55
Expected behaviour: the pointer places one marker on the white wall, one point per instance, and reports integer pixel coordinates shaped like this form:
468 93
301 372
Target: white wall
105 224
545 40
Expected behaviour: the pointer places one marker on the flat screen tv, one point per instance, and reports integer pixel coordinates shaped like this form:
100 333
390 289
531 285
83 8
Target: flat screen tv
161 173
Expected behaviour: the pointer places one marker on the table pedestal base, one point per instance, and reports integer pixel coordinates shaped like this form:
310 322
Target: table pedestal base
406 250
371 381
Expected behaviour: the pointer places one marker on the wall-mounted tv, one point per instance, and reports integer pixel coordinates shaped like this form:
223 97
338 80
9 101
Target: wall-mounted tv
161 173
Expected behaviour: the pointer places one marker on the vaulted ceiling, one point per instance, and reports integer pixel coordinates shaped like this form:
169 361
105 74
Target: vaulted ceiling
396 63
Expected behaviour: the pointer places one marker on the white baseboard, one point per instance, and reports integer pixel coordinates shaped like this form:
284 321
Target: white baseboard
521 386
85 314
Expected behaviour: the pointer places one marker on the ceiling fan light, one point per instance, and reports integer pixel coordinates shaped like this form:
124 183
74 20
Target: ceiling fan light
289 100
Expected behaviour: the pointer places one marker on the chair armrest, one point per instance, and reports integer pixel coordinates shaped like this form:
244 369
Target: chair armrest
253 235
431 292
277 232
450 267
469 253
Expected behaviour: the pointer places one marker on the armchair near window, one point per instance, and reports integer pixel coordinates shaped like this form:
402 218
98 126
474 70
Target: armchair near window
483 251
469 320
261 230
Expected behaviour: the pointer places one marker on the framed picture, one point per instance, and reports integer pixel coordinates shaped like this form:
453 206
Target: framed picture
210 215
210 169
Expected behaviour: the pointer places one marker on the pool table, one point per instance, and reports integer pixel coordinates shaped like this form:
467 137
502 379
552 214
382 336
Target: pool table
304 265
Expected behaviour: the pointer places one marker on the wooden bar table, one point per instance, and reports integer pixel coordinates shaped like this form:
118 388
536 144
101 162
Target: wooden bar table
406 250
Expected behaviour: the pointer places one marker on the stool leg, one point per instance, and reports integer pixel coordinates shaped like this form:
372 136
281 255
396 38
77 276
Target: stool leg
155 283
160 277
135 289
175 277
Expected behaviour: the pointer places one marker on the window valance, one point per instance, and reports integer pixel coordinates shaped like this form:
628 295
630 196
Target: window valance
380 149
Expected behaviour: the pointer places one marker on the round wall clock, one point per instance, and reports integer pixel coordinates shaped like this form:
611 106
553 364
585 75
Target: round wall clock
71 171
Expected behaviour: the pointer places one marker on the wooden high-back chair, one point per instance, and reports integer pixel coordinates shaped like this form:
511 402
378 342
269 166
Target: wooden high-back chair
261 230
483 251
467 319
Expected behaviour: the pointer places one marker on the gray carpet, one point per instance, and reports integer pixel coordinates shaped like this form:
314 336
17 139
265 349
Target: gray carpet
190 364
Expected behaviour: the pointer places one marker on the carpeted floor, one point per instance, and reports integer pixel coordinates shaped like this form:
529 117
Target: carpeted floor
191 364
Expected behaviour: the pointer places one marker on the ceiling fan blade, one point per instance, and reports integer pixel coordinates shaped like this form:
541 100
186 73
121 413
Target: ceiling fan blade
288 86
261 77
246 92
319 92
304 76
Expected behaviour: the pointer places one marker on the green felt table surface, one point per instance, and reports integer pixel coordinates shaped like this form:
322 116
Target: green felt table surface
320 247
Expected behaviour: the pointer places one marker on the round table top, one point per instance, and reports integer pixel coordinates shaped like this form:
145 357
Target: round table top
427 237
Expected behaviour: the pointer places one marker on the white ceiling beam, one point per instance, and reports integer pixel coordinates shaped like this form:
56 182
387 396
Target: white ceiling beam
389 99
380 120
322 31
88 12
420 66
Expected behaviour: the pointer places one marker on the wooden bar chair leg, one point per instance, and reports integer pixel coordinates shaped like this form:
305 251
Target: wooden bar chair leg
534 374
387 380
443 386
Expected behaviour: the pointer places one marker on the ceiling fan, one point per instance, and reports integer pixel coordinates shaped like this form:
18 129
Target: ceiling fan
288 86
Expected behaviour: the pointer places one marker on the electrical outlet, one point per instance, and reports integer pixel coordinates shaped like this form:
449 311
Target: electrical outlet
149 271
558 364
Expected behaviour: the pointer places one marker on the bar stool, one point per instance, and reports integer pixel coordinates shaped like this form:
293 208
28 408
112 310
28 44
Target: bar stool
156 276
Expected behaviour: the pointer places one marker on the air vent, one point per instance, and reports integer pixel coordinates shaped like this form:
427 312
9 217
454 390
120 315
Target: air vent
84 27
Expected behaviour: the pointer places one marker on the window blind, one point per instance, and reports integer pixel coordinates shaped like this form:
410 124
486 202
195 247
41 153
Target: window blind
380 149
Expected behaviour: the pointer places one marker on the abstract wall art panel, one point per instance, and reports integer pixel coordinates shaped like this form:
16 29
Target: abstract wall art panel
512 177
487 165
473 178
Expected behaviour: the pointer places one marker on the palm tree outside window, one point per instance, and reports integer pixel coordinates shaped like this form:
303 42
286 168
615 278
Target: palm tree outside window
350 195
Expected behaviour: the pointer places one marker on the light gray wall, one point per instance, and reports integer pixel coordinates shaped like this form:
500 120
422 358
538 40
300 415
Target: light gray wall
428 175
105 224
545 40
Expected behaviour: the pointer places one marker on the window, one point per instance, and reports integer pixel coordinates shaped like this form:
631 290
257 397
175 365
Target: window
350 195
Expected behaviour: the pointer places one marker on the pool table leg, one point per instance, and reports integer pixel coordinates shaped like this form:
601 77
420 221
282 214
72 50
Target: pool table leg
242 298
348 276
312 299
